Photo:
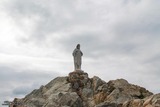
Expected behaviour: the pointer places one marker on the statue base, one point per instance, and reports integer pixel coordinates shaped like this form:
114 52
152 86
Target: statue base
78 79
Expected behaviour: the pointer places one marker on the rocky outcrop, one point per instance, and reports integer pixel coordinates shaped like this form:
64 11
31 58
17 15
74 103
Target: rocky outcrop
151 101
78 90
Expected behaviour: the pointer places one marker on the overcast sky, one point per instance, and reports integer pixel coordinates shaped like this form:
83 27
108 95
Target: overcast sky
119 39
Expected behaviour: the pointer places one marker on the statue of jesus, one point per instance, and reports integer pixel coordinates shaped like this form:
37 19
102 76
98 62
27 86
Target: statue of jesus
77 54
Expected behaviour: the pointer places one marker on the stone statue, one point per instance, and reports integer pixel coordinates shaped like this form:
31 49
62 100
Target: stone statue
77 54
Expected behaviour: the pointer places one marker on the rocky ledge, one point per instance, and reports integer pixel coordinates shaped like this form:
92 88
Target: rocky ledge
78 90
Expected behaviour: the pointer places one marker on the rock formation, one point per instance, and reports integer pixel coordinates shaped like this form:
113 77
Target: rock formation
78 90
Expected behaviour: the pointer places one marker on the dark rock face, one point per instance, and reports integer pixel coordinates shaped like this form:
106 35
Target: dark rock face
78 90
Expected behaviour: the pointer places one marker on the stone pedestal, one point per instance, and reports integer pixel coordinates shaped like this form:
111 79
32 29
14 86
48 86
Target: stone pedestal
78 79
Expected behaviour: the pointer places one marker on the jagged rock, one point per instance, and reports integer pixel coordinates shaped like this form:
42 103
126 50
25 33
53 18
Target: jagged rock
133 103
107 104
82 85
130 89
118 91
78 90
78 79
123 91
87 92
37 98
100 97
16 103
64 99
152 101
117 96
96 83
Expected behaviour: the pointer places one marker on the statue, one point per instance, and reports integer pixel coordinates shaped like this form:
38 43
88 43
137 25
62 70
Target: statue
77 54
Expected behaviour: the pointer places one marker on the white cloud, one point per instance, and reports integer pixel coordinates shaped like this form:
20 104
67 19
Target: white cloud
119 39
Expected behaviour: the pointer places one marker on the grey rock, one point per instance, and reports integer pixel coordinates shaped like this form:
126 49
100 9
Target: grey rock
64 99
87 92
78 90
97 82
107 104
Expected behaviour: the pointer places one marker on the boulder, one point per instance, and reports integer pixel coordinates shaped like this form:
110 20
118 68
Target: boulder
133 103
38 97
62 99
107 104
153 101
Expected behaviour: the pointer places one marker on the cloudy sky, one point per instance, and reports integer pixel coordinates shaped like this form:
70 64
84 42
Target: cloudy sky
119 39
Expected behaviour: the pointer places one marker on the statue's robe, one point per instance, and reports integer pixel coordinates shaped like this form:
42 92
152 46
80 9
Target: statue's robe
77 54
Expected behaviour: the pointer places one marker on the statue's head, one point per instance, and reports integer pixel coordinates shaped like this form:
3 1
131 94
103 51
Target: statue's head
78 46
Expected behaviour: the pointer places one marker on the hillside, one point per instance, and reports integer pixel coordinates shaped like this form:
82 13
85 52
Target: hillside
78 90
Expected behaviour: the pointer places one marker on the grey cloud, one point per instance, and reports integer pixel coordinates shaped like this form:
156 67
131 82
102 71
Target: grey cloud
19 10
94 46
22 90
56 21
87 25
21 83
54 17
140 20
26 75
133 33
153 63
87 41
60 16
134 27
